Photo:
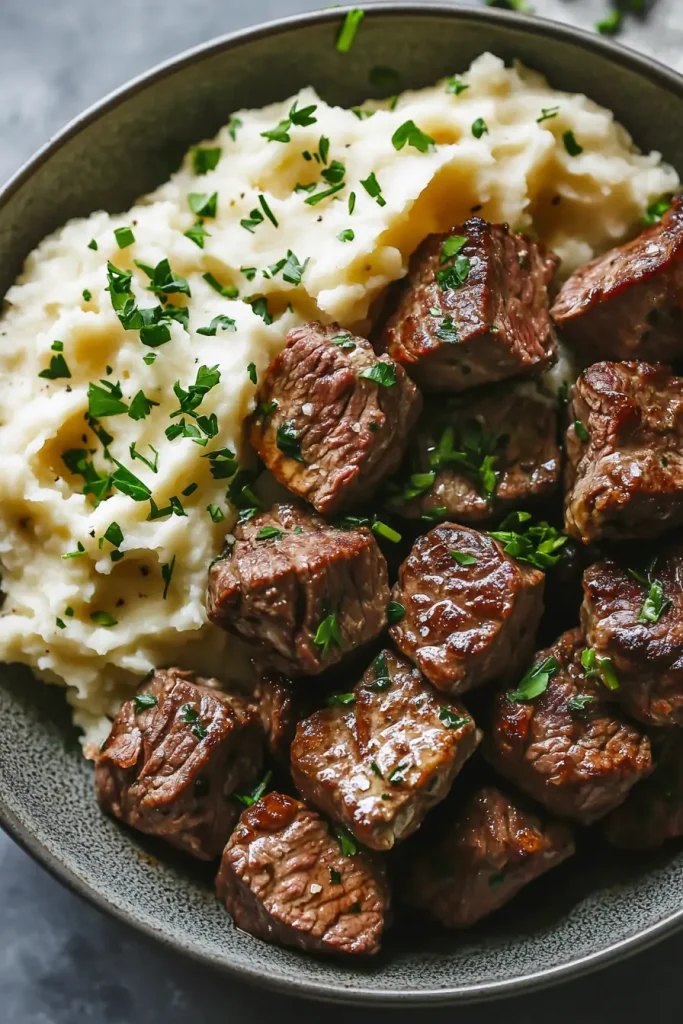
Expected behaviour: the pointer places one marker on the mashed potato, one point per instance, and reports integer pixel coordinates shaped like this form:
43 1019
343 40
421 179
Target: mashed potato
316 222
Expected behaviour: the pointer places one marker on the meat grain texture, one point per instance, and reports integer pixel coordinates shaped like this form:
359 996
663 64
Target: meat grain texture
176 754
637 622
289 573
382 759
568 747
628 303
471 611
624 476
493 847
284 878
653 812
474 308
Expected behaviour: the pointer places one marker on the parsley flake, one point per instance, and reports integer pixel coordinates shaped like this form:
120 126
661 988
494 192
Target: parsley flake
219 323
205 158
167 575
536 680
288 441
374 189
383 374
124 237
57 368
570 144
103 619
348 30
479 128
328 635
409 134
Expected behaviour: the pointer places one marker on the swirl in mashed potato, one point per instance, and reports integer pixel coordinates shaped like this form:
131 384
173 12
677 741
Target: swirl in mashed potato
312 221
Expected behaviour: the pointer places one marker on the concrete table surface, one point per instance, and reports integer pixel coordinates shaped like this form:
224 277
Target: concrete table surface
61 961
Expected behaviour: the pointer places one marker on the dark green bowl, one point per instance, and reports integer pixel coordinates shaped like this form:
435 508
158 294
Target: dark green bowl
596 908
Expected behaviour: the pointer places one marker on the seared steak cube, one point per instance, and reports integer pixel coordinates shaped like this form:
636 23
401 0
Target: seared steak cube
633 615
628 303
471 611
176 754
624 453
280 708
332 419
653 811
284 878
494 846
474 309
558 739
387 754
303 591
475 457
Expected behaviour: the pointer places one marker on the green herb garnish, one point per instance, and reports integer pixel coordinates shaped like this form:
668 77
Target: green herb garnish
570 144
383 374
536 680
462 558
479 128
205 158
374 189
103 619
348 30
144 701
288 441
451 719
409 134
124 237
328 634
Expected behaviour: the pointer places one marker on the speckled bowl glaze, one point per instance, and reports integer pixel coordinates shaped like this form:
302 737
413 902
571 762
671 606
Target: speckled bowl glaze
596 908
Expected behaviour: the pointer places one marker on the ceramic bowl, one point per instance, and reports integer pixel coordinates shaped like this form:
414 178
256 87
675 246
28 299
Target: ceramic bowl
591 911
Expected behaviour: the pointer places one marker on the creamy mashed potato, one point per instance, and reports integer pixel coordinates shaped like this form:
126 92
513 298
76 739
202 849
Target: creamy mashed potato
99 593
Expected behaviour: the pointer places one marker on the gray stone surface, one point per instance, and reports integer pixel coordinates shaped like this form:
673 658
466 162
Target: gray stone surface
61 962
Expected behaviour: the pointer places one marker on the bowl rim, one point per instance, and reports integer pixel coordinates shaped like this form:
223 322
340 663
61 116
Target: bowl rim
617 53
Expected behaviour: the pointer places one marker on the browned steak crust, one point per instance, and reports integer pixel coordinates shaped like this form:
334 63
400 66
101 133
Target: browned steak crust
471 610
175 755
492 848
624 453
653 811
306 580
284 878
326 430
378 762
628 303
567 747
485 321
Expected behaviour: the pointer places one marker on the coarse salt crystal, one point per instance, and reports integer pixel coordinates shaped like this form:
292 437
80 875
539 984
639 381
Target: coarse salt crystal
315 888
307 408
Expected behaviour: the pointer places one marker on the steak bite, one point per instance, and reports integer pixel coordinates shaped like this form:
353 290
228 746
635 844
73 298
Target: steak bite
305 592
176 754
279 707
628 303
284 879
492 848
474 309
653 811
624 453
558 739
332 418
471 611
634 617
476 457
384 755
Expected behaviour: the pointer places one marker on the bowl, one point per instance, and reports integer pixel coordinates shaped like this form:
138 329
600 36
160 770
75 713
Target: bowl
584 915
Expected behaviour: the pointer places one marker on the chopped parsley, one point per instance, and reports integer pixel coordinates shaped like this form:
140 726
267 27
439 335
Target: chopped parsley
570 144
374 189
248 800
397 776
189 714
251 222
162 280
141 406
395 612
144 701
451 719
319 196
249 272
293 271
655 604
92 244
300 118
340 700
203 205
455 273
234 124
536 680
87 295
259 306
347 842
228 291
462 558
251 371
219 323
352 202
579 703
114 534
383 374
267 210
197 233
343 341
167 575
105 400
103 619
328 635
348 30
216 513
538 544
80 550
380 672
601 669
57 368
547 113
153 465
347 235
129 484
479 128
408 134
190 489
334 173
205 158
288 441
455 86
656 210
581 431
124 237
270 533
611 24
